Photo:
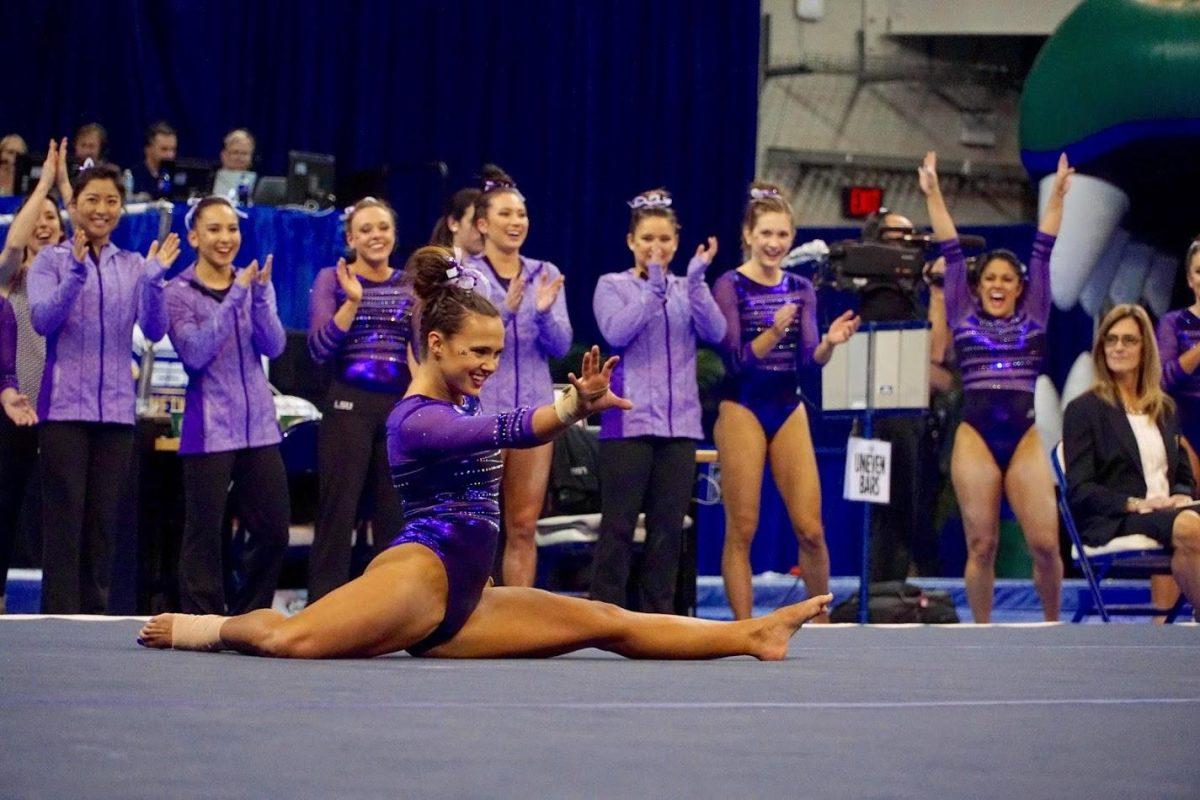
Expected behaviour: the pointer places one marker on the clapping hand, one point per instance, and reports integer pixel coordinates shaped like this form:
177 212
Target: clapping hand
842 328
783 317
79 246
351 286
49 167
66 193
547 291
249 274
264 274
593 385
516 292
165 254
705 253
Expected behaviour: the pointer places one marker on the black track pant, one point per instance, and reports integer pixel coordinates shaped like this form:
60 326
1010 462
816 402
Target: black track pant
354 483
654 475
903 530
85 467
18 468
214 578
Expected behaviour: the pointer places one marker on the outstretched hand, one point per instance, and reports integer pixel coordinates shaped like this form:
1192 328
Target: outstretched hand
18 408
927 174
593 384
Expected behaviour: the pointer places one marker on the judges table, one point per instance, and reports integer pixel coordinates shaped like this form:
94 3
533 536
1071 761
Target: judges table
302 241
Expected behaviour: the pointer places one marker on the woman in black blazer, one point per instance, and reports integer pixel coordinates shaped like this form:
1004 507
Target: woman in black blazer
1126 472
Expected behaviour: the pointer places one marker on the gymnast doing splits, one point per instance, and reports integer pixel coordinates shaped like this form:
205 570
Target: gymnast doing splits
429 593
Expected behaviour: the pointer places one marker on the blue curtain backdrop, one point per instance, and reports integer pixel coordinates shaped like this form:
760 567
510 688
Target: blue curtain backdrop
584 103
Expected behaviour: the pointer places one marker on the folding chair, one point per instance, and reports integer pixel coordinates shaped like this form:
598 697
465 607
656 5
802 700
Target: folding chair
1133 556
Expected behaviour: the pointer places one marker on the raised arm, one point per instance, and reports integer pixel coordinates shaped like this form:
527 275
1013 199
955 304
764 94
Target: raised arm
1052 216
939 215
329 321
707 320
152 308
269 337
21 229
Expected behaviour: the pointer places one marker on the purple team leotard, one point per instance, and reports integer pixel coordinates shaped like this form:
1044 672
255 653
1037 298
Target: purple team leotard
445 462
1178 332
768 386
1000 358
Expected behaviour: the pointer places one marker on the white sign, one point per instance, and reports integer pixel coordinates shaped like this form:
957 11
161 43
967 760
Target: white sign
868 470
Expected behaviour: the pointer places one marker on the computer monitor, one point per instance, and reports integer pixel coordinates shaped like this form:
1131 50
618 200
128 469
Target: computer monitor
189 177
235 184
270 190
27 171
310 179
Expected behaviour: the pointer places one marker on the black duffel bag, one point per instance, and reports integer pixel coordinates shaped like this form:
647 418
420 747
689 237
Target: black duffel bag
899 602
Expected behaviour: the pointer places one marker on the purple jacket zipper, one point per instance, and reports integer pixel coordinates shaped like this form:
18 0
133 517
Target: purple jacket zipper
237 333
100 384
670 372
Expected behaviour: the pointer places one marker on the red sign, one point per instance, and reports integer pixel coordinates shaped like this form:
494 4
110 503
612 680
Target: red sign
861 201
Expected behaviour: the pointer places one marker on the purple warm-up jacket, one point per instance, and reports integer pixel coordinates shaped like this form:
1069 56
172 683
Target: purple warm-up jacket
530 338
653 328
220 337
86 311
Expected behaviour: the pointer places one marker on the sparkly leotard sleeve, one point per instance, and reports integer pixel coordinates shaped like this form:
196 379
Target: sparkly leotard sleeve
1178 332
445 462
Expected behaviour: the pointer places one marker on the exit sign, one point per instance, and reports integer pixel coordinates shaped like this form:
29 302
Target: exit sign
861 201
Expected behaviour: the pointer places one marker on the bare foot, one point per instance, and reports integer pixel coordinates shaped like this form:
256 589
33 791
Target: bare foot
775 629
157 632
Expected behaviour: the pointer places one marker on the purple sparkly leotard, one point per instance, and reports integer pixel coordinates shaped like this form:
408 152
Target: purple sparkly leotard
445 461
767 386
1000 357
1178 332
373 354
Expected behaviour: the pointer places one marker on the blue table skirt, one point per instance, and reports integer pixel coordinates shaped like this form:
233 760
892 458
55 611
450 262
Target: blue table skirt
303 242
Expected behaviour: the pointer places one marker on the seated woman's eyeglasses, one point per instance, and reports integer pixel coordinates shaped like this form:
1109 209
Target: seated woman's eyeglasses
1127 339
